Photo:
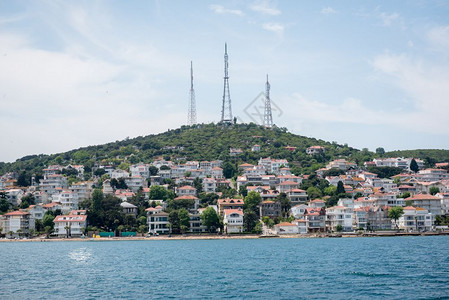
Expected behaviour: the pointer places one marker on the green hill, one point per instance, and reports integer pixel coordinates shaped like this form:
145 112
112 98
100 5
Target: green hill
199 142
210 142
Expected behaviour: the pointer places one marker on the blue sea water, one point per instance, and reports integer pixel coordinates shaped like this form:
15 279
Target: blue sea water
345 268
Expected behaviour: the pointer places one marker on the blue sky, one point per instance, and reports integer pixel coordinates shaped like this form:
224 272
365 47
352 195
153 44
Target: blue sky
366 73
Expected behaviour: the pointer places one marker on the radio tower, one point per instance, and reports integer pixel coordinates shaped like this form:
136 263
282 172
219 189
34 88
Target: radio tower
226 112
192 105
267 116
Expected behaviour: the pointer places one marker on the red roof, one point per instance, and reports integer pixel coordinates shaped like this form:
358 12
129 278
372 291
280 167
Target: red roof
232 211
423 197
17 213
70 218
284 224
188 197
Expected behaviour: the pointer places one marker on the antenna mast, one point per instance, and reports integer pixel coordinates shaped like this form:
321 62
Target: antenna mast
191 118
226 112
267 117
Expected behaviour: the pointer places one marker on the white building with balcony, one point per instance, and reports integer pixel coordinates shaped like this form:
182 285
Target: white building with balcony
233 220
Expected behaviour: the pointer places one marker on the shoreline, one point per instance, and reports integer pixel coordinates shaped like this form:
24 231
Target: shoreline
228 237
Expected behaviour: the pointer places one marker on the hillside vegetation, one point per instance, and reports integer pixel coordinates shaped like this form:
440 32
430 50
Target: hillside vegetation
210 142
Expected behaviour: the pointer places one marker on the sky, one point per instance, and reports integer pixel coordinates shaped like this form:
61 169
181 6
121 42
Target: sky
364 73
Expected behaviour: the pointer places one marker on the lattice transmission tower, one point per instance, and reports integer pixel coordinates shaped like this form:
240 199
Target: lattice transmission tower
267 116
226 111
191 117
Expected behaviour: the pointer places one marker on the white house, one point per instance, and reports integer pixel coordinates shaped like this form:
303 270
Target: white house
286 228
339 215
71 225
233 220
416 219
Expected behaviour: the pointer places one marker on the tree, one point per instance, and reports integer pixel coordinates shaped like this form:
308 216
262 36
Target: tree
4 203
285 204
24 179
158 192
229 169
250 220
48 230
173 218
313 193
339 228
153 170
414 166
434 190
395 213
252 201
184 220
207 199
380 151
340 188
268 221
210 219
47 220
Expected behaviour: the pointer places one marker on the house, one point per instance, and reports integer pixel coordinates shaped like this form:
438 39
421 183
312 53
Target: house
339 216
315 150
82 189
431 203
431 175
14 196
69 201
209 185
229 204
195 223
158 222
286 228
18 222
270 209
341 164
37 211
302 225
233 220
195 200
298 211
52 184
73 224
142 170
235 151
186 190
290 148
416 219
119 174
315 217
255 148
297 196
135 182
52 206
286 186
129 209
124 195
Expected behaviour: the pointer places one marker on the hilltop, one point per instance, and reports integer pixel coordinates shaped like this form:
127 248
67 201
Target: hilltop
210 142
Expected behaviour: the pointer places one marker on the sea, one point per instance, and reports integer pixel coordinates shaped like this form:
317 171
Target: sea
306 268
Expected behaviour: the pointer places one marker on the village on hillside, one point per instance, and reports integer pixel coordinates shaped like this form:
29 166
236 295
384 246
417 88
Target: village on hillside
167 197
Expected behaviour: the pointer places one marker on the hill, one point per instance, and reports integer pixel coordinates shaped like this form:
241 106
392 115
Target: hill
199 142
430 156
211 142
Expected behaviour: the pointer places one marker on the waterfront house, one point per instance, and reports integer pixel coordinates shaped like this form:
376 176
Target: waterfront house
426 201
286 228
129 209
416 219
18 222
157 222
72 225
270 209
233 220
229 204
339 216
316 219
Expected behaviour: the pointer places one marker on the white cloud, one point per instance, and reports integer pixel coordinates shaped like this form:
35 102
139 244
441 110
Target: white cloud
219 9
274 27
388 19
265 8
328 11
427 85
439 37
